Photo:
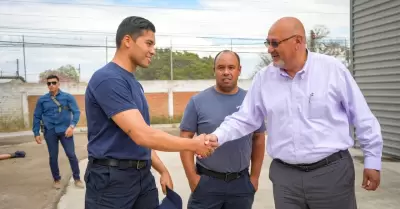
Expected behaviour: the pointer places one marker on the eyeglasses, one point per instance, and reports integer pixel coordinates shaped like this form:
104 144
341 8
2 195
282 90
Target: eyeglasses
52 83
275 43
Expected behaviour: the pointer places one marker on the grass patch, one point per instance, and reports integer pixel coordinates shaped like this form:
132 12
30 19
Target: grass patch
165 119
153 120
12 123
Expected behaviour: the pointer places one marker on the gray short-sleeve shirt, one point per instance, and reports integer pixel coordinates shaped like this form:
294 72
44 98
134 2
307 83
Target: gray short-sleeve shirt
204 113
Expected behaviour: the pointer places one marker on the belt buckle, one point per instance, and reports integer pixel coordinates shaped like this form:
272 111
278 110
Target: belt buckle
140 164
114 163
228 174
305 168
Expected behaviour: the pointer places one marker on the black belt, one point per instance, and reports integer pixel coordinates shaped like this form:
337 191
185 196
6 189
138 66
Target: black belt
223 176
309 167
138 164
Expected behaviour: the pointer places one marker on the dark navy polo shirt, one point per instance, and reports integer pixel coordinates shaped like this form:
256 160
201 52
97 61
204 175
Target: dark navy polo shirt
112 90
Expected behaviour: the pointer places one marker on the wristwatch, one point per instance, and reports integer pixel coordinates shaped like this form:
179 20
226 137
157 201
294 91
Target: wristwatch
72 126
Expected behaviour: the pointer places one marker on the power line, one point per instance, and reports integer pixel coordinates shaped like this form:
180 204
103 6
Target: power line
105 33
11 29
174 8
192 46
51 16
45 32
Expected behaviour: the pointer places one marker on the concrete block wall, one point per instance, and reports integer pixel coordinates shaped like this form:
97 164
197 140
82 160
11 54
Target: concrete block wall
165 98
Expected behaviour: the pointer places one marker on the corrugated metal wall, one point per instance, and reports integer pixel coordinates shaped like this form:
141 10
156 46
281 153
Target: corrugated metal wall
375 47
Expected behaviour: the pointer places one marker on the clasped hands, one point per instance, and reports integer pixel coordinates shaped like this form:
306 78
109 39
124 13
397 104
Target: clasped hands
206 145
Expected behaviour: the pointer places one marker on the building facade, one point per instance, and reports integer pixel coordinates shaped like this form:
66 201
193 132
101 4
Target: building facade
375 62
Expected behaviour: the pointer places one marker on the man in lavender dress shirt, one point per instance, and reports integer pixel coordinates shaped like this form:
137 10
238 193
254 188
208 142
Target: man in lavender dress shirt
309 101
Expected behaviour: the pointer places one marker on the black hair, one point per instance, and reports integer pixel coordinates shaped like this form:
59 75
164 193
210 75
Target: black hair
52 76
133 26
224 51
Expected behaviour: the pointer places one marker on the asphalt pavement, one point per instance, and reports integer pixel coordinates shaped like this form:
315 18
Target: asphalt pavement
387 196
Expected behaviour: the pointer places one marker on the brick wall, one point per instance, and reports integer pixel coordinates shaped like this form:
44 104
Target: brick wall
80 100
180 101
165 98
158 104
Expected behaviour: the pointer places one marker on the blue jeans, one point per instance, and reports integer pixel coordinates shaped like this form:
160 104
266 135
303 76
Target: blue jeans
123 188
213 193
52 138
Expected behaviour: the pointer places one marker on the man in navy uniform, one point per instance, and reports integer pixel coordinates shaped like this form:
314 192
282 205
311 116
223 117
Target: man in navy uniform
120 137
222 180
54 111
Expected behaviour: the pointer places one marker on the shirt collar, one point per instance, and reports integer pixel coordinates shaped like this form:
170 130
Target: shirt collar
58 93
302 72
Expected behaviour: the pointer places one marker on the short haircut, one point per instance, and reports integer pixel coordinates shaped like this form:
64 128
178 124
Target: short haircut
225 51
52 76
133 26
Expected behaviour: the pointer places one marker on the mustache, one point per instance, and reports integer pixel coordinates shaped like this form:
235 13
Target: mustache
227 77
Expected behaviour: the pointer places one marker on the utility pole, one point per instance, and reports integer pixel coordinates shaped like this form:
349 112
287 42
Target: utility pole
106 50
312 40
17 67
79 73
23 51
172 65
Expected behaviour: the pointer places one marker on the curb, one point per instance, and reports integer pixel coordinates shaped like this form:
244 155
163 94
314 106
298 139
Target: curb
53 203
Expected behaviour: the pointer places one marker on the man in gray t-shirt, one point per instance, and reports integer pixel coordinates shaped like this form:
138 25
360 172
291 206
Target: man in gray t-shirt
222 180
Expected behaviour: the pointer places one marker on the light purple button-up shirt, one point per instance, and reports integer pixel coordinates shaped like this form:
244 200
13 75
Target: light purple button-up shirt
308 116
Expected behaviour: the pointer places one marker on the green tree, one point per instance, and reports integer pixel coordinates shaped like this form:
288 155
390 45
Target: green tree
66 73
186 66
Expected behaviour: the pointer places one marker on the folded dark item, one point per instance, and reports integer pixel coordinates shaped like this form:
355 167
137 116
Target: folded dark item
171 201
18 154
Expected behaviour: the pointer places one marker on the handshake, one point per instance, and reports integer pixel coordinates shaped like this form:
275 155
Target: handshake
206 145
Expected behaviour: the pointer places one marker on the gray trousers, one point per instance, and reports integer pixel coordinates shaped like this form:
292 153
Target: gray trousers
328 187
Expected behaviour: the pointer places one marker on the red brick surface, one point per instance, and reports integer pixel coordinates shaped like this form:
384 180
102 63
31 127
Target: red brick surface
158 103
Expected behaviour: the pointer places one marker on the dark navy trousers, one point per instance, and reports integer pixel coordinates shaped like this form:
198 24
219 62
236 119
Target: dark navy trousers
52 141
123 188
213 193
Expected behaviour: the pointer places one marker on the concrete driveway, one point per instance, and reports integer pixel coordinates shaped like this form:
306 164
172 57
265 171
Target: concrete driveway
387 196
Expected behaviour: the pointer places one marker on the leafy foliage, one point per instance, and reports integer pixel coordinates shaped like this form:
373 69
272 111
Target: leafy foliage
186 66
66 73
265 61
333 47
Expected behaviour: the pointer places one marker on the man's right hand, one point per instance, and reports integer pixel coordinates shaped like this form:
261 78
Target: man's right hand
193 182
212 138
38 139
204 147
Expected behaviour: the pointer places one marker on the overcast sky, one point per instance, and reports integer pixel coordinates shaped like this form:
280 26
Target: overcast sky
194 25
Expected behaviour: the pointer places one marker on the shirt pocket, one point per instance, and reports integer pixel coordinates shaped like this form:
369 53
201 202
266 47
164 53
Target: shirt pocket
49 108
317 107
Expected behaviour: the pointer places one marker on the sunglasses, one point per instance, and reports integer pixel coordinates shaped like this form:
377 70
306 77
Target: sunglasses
275 43
52 83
